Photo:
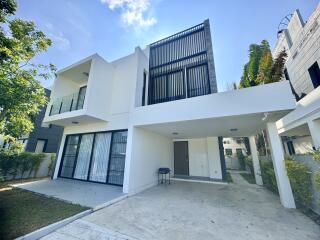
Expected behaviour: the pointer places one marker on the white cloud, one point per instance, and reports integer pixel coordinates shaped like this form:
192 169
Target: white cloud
60 41
133 12
57 37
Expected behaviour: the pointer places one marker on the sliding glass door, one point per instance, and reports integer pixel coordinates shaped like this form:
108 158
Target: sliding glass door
97 157
100 159
82 164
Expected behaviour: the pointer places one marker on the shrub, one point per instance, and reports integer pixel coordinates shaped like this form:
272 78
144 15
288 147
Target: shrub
241 159
249 163
316 154
300 180
14 163
317 178
51 164
268 175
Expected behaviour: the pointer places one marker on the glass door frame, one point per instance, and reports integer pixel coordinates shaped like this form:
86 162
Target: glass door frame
91 157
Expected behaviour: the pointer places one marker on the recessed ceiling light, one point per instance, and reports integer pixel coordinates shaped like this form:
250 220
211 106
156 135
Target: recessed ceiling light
233 129
174 133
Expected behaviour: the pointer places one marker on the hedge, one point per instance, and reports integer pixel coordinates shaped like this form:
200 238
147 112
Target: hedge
268 175
249 163
14 164
300 180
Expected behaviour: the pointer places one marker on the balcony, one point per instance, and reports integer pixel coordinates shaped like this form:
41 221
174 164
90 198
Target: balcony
68 103
80 93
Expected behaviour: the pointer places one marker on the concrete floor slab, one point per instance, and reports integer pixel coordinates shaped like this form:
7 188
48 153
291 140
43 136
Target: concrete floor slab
185 210
79 192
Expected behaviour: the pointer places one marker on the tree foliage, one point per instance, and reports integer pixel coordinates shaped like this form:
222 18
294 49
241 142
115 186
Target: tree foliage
262 68
21 93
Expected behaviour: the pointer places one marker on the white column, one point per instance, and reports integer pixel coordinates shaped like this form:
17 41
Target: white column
127 166
214 158
314 127
284 187
255 160
59 156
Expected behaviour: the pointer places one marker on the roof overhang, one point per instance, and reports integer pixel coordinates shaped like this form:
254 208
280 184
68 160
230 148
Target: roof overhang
241 112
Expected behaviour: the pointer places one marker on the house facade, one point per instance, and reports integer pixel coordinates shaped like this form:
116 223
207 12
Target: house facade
160 107
300 129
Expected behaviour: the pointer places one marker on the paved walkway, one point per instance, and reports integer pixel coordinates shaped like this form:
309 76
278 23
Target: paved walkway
237 178
190 211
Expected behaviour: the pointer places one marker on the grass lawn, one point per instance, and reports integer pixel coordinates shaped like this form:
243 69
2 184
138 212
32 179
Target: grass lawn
249 178
22 212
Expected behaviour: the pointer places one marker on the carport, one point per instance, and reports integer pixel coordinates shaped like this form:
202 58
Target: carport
190 211
243 113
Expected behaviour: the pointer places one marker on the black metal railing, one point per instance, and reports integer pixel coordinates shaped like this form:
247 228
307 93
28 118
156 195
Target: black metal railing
68 103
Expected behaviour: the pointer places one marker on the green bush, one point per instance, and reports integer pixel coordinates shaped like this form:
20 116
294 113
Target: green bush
241 159
14 163
249 163
51 164
316 154
317 179
300 180
268 175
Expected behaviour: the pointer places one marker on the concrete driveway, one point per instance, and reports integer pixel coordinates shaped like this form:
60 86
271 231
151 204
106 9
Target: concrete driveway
187 210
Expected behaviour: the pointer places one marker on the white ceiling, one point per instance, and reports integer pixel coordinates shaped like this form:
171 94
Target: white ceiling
76 73
246 125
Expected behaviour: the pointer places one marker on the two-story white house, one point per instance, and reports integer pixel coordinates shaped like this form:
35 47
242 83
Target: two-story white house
159 107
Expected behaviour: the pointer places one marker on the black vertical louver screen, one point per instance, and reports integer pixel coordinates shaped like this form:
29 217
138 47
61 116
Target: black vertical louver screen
198 80
173 60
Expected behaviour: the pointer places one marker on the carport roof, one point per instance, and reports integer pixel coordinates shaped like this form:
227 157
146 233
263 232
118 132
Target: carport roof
241 112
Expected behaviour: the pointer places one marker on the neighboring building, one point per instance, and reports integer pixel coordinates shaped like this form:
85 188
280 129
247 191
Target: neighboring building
300 129
232 147
44 137
159 107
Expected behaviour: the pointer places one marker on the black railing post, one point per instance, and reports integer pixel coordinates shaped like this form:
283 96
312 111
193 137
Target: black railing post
60 107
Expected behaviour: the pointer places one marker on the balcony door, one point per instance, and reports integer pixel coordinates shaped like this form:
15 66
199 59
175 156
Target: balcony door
81 97
96 157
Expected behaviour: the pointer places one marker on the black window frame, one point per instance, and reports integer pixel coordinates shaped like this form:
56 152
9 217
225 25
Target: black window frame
314 73
144 88
90 163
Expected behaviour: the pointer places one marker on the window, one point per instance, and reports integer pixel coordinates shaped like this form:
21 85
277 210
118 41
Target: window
96 157
41 146
81 97
228 151
144 88
239 151
314 73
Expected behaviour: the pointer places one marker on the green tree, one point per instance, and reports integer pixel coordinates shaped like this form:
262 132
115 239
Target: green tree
255 54
262 68
276 72
21 93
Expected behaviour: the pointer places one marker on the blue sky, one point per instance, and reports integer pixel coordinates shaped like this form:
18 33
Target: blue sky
113 28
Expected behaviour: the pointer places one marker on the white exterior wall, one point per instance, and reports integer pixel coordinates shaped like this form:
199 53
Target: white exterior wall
198 157
204 157
304 52
148 152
